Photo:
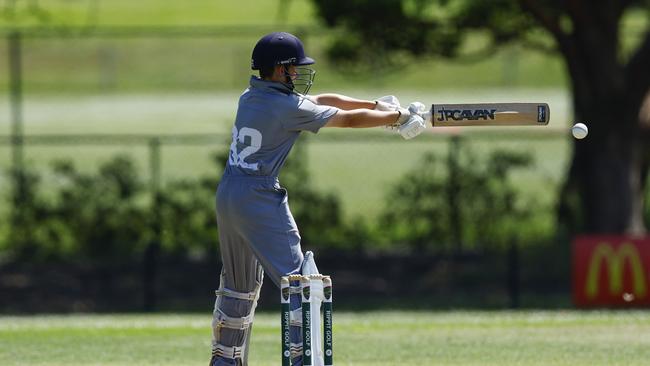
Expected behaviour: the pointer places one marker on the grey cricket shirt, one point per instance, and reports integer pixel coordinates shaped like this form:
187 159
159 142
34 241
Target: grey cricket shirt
269 119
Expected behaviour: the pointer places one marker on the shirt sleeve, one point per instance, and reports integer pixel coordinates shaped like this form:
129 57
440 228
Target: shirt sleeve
308 116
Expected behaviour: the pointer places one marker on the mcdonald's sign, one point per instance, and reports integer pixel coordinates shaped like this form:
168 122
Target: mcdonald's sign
611 271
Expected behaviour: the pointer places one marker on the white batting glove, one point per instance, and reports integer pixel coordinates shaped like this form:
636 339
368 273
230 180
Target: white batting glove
421 110
417 108
387 103
412 127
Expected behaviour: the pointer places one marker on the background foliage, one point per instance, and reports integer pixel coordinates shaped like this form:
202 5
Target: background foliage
111 214
102 77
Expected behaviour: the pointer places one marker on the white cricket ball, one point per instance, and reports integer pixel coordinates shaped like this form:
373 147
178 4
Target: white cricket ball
579 131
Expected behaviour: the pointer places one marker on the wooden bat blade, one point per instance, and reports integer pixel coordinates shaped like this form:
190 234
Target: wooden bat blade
490 114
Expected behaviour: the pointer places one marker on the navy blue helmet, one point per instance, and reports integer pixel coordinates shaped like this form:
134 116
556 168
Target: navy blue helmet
282 48
279 48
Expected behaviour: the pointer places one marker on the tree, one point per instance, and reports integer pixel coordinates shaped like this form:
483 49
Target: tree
605 185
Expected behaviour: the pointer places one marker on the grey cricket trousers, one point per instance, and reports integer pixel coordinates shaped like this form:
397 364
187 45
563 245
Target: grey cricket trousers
257 235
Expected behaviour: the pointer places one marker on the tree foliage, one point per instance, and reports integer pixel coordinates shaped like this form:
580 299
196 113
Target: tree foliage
460 202
88 216
113 214
380 31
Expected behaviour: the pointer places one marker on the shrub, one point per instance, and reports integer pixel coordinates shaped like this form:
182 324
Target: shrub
112 215
461 202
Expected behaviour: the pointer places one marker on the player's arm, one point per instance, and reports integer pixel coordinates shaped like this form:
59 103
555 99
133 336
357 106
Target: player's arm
361 118
408 122
342 101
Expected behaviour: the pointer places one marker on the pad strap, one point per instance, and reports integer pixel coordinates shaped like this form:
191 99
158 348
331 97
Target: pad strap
223 320
296 349
227 352
250 296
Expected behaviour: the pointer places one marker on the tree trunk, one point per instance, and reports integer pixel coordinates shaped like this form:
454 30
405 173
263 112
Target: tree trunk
608 170
605 187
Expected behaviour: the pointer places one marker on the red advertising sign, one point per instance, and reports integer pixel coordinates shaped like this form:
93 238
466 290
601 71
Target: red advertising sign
611 271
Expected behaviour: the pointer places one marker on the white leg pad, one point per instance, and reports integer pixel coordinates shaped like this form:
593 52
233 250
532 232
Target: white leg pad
221 320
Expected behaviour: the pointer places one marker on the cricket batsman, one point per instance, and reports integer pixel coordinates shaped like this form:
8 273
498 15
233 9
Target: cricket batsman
257 232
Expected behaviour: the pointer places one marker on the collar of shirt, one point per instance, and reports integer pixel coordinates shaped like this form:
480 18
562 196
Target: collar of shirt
266 85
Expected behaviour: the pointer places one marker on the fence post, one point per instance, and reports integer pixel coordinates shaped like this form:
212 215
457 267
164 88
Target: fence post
152 252
18 212
15 95
513 274
454 192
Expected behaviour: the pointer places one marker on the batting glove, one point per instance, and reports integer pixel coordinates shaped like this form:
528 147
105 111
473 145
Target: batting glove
412 127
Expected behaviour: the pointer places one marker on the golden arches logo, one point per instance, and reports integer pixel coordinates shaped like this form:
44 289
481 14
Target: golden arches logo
614 259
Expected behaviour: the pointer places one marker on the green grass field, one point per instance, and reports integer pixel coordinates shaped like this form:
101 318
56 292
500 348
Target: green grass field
498 338
150 12
221 62
118 64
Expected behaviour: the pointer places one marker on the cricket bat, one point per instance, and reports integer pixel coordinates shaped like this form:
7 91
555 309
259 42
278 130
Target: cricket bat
489 114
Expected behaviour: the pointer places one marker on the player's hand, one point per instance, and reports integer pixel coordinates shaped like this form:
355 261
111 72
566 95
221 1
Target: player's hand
414 109
412 127
387 103
391 103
